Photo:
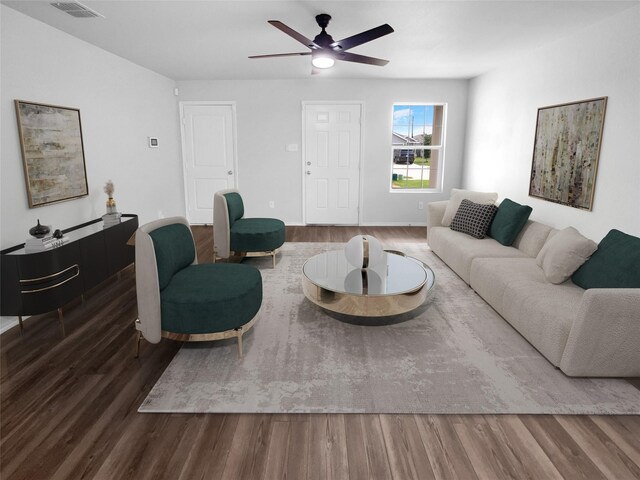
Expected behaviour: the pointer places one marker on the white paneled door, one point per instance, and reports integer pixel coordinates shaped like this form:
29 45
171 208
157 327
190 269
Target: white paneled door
208 142
332 163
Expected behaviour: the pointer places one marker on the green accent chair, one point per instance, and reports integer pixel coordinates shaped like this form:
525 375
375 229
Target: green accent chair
186 301
244 236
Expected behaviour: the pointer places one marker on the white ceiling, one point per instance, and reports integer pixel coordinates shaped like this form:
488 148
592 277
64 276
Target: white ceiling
191 40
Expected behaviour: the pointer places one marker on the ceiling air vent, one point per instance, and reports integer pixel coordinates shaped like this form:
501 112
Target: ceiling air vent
76 9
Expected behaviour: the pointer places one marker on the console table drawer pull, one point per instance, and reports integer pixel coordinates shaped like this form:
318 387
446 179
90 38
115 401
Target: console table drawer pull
48 277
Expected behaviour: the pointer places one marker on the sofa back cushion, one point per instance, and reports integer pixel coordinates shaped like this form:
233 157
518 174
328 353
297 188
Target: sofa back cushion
174 248
615 264
235 207
487 198
532 237
508 222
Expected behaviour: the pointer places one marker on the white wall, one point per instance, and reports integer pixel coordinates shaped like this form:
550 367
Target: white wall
120 103
269 116
603 60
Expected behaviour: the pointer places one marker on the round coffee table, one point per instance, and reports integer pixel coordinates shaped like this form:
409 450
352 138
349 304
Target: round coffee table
398 284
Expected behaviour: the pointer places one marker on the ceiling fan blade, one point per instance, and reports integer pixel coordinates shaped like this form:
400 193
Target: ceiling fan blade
292 33
360 38
353 57
281 55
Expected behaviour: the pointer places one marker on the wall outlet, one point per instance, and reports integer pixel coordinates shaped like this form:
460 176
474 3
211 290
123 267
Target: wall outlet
420 205
272 204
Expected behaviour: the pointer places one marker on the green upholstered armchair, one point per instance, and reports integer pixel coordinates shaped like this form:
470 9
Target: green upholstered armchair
244 236
186 301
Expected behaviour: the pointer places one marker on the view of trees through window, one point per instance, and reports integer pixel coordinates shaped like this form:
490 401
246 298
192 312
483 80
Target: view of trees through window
416 142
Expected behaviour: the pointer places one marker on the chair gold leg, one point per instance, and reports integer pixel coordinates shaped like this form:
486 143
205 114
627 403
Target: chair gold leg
274 258
240 343
61 320
138 338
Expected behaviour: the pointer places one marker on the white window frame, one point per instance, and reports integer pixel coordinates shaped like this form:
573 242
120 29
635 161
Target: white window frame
441 161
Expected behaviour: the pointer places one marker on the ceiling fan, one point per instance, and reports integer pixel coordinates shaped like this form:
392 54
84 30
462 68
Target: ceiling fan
325 51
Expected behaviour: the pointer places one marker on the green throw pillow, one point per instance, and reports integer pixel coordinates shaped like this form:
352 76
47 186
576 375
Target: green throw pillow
615 264
508 222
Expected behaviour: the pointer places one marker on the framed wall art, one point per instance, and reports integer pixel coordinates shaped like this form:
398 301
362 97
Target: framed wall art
52 152
566 152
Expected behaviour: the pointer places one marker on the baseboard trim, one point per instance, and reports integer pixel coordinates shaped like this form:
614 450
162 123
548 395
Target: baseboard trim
365 224
7 323
393 224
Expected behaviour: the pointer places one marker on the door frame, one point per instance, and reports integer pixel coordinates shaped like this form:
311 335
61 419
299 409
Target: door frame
304 104
234 135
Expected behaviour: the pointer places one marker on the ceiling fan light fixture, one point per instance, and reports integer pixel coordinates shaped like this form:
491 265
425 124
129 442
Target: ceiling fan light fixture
322 61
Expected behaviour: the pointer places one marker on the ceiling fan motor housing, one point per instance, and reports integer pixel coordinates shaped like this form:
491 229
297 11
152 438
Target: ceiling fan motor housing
323 20
323 39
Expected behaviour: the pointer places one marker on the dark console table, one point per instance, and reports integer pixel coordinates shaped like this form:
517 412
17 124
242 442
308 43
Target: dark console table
34 283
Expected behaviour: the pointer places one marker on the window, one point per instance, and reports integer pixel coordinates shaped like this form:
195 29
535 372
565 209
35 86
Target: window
417 142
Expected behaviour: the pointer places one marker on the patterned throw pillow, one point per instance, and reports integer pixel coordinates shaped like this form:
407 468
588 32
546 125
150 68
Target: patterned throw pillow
473 218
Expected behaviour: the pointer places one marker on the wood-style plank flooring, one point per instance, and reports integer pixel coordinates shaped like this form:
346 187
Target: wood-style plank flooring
69 411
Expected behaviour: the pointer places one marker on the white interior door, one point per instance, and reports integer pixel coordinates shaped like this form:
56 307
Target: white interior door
332 163
208 142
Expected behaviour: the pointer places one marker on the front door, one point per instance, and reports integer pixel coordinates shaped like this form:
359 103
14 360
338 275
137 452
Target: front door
208 142
332 163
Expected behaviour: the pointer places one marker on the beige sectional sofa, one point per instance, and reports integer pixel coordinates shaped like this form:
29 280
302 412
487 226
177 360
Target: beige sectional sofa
594 332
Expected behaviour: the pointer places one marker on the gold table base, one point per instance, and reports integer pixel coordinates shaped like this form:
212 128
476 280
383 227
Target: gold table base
366 305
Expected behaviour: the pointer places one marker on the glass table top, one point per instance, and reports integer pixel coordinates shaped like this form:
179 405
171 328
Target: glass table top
394 275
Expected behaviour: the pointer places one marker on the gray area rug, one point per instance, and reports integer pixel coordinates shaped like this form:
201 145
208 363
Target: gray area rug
453 355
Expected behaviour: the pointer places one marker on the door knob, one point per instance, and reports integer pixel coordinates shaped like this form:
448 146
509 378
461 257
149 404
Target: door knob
308 172
308 163
230 172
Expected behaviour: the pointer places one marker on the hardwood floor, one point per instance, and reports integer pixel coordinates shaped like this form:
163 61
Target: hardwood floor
69 411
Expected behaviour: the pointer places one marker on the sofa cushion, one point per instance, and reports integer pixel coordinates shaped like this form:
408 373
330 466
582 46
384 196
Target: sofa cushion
615 264
532 238
211 297
458 249
458 195
473 218
257 234
563 254
174 249
508 222
542 312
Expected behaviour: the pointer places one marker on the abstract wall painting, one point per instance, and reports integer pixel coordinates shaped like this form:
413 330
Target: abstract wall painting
566 152
52 153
